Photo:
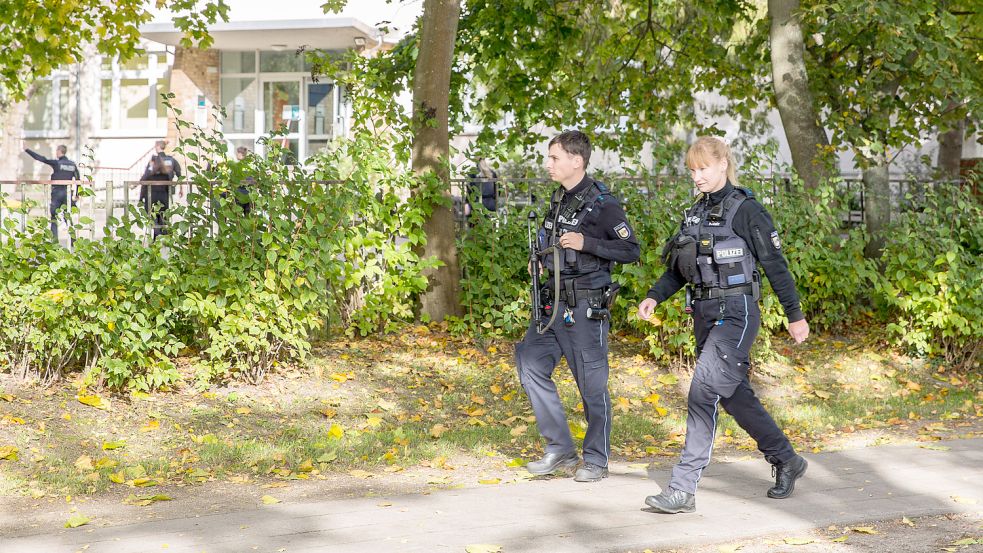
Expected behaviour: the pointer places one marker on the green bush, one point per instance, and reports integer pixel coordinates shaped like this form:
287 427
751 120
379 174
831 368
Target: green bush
931 291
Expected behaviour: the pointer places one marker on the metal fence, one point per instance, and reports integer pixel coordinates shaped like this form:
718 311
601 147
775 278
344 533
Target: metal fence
112 198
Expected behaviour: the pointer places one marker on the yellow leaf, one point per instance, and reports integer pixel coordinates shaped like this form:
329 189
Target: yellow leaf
865 530
10 419
517 462
336 431
477 412
822 394
495 389
269 500
136 394
144 482
244 410
339 377
109 446
438 430
104 463
359 473
508 396
117 477
667 379
373 421
77 520
518 430
482 548
306 466
799 541
387 405
145 500
907 522
8 453
93 401
489 481
661 411
150 426
935 447
329 412
840 539
652 398
6 397
84 463
622 403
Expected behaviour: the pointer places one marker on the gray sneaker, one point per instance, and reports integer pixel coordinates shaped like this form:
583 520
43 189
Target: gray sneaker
553 461
672 501
590 473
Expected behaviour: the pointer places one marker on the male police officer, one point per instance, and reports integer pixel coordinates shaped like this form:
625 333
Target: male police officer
715 251
161 167
584 233
62 168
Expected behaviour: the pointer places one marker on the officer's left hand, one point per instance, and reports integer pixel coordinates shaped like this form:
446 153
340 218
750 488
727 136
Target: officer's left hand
799 331
572 240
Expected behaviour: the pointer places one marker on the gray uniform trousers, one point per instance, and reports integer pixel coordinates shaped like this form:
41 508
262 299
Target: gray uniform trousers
585 346
723 345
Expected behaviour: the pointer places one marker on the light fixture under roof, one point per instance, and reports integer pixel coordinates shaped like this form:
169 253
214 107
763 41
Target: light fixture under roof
278 47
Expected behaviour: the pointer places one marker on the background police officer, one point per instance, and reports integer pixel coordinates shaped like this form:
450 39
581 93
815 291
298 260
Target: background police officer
720 239
588 229
161 167
62 168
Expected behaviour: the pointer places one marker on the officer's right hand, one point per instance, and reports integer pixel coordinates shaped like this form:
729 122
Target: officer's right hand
529 268
646 308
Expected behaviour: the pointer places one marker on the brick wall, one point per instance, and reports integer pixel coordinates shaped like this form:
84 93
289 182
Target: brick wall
195 73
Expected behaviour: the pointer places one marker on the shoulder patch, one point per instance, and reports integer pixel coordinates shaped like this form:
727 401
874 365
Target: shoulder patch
775 241
623 231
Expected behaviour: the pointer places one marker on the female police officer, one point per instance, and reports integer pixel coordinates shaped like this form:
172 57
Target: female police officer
714 254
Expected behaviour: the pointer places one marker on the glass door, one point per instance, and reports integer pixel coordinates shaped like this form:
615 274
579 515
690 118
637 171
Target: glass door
282 110
320 116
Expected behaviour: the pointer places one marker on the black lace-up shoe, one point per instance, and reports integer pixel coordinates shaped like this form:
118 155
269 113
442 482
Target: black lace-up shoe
785 476
672 501
590 473
553 461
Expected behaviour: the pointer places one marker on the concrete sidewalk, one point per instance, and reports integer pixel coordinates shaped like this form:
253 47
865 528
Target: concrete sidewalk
559 514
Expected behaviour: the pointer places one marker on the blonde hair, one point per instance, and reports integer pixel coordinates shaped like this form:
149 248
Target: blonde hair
708 149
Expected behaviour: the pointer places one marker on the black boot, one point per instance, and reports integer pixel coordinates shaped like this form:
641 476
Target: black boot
672 501
785 476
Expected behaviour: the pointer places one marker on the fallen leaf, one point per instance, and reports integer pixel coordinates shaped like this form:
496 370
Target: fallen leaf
336 431
840 539
117 477
144 482
359 473
490 481
109 446
84 463
438 430
77 520
144 500
517 462
373 421
865 530
799 541
327 456
935 447
93 401
8 453
244 410
667 379
822 394
150 426
518 430
967 541
6 397
269 500
329 412
907 522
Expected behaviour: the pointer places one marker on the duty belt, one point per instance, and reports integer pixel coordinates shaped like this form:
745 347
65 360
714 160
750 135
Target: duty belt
581 295
714 293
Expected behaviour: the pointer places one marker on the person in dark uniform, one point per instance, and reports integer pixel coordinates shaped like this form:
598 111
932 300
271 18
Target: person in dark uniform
722 238
483 185
583 235
157 200
63 169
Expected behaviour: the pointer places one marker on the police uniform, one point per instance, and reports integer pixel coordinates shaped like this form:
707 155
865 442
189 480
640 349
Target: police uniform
585 276
161 167
715 252
61 169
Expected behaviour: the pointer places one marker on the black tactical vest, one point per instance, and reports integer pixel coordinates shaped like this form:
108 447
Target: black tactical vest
569 217
723 259
64 170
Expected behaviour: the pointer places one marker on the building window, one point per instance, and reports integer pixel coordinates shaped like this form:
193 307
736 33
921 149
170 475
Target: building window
238 62
130 92
239 100
48 106
282 62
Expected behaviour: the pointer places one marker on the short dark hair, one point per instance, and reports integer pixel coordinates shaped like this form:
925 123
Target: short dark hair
242 150
62 149
574 143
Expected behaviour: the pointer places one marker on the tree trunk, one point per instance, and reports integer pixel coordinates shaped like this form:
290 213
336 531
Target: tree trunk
800 118
951 150
13 161
431 150
877 205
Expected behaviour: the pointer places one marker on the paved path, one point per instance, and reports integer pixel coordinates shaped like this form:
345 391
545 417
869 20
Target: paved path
559 515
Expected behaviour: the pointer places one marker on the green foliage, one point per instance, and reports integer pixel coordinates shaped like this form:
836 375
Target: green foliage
38 37
931 290
329 243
